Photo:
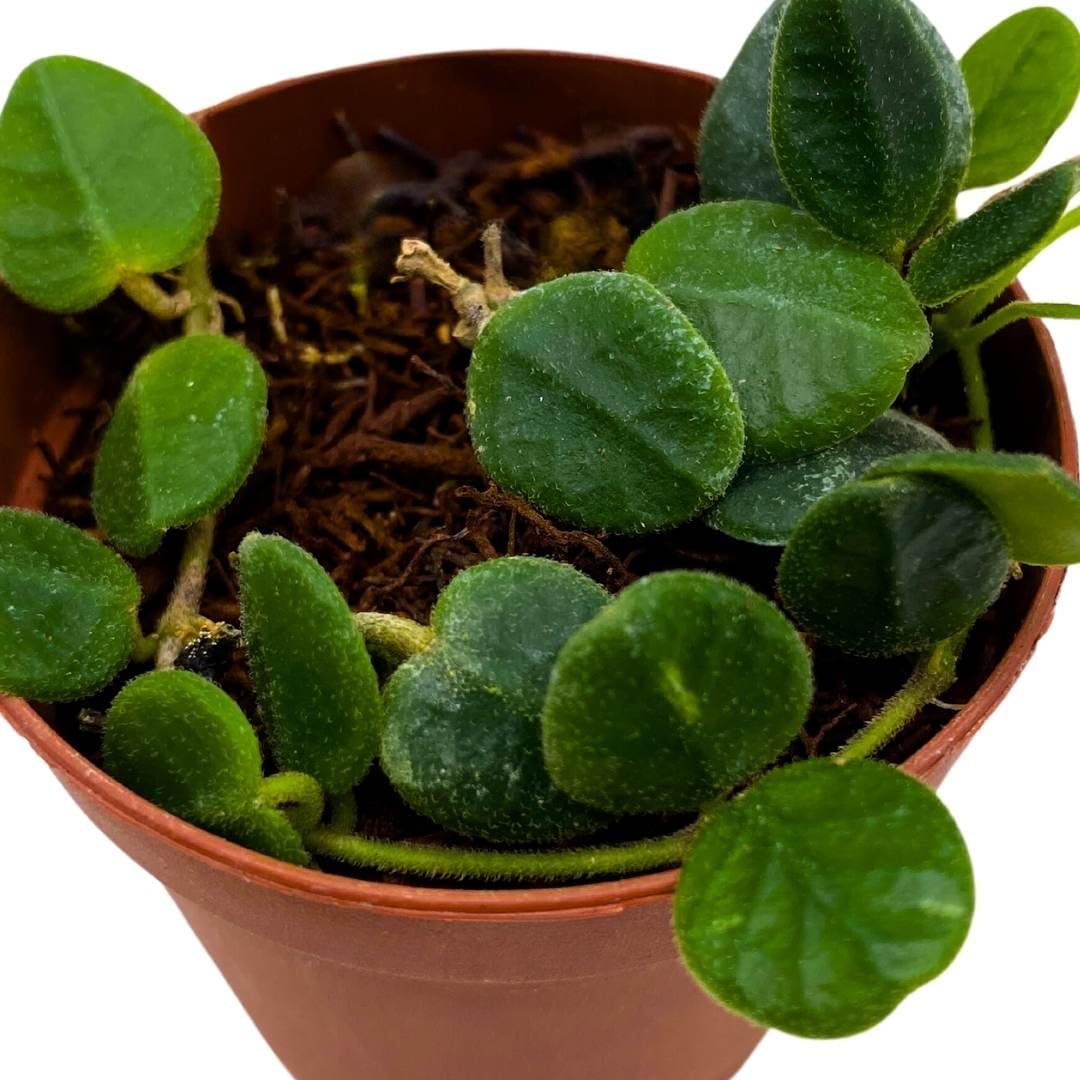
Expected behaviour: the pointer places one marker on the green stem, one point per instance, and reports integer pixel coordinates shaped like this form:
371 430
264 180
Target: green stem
934 673
298 796
204 316
393 638
978 399
152 298
343 813
494 865
1017 311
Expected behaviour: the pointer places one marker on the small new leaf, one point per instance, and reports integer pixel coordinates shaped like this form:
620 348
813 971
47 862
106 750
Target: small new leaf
681 688
598 401
999 235
767 499
816 335
183 438
317 691
99 177
1023 77
1035 502
892 565
819 899
871 124
67 609
735 154
462 738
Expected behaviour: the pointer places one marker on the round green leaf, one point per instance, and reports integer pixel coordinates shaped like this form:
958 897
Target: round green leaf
181 742
1023 77
816 336
767 499
735 154
317 691
596 400
819 899
67 609
887 566
462 736
1035 502
682 687
269 832
870 118
978 249
99 177
186 432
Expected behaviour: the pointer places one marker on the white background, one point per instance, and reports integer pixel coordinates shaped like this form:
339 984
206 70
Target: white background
99 976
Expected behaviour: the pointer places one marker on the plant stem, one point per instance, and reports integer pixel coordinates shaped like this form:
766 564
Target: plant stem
978 399
1018 310
393 638
343 813
151 297
180 621
493 865
934 673
298 796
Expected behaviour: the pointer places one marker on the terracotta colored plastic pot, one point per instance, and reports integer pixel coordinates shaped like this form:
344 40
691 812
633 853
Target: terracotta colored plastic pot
348 978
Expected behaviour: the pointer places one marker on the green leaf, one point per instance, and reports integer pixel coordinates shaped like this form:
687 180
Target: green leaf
181 742
681 688
892 565
269 832
766 501
999 234
317 691
99 177
735 154
819 899
67 609
1035 502
462 736
816 336
871 124
186 432
1023 77
598 401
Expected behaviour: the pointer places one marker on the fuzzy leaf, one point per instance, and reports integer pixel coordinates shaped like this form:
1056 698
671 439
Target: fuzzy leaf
462 736
317 691
1023 77
681 688
766 501
1002 232
596 400
819 899
181 742
99 176
269 832
735 154
871 124
1034 500
67 609
887 566
816 336
186 432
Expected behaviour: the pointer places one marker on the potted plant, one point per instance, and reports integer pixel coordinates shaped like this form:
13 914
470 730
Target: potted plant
572 731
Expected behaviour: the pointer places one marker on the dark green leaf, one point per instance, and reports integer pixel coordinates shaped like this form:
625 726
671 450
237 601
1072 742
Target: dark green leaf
683 687
817 336
871 124
462 737
888 566
99 177
735 154
317 691
600 403
181 742
1023 77
1009 227
67 609
268 831
766 501
1034 500
185 434
817 901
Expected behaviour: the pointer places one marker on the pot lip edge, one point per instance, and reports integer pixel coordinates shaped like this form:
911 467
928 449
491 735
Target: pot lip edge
551 901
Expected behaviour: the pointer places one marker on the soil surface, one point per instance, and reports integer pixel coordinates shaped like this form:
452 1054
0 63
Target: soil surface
367 462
